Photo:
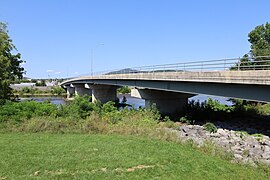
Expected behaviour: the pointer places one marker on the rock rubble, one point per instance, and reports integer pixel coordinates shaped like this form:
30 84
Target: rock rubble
245 148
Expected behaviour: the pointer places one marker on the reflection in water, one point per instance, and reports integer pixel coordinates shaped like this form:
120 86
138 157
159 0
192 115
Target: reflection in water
136 102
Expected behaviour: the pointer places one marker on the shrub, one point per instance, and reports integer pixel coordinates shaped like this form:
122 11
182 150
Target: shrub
58 91
210 127
25 90
213 110
186 120
124 90
19 111
80 107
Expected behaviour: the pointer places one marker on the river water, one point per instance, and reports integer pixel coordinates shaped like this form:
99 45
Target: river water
53 100
136 102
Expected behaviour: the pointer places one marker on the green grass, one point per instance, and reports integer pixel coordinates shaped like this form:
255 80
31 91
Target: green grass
82 156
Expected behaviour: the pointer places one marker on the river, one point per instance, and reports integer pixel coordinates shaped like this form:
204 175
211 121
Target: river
136 102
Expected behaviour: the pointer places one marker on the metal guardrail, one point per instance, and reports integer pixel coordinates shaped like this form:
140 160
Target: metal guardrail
234 64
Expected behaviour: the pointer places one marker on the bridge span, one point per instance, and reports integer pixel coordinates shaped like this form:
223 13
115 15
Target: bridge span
170 89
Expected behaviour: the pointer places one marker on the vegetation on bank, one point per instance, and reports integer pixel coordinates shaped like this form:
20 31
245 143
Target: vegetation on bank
79 115
56 90
213 110
83 117
82 110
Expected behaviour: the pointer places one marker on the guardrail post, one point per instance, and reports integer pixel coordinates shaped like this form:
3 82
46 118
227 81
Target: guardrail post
201 67
238 64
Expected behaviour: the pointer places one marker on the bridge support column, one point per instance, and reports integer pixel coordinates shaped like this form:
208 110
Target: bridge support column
103 93
166 102
81 90
70 92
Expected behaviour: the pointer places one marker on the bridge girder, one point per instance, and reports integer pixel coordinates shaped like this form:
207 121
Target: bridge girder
252 92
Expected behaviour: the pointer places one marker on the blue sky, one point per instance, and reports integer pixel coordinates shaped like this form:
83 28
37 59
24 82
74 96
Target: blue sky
58 35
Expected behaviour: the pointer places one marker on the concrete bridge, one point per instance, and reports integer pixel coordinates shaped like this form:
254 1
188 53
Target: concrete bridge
170 89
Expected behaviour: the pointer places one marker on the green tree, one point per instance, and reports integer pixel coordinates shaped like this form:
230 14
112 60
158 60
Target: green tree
259 39
10 64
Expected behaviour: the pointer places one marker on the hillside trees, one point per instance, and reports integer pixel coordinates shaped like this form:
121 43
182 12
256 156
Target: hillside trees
10 64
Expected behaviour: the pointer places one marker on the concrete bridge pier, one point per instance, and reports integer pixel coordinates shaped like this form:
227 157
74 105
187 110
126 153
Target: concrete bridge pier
167 102
81 90
103 93
70 92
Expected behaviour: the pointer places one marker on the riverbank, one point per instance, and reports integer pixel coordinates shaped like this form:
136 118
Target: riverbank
39 91
83 117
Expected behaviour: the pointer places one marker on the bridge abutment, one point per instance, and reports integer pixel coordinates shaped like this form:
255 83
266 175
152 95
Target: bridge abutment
166 102
103 93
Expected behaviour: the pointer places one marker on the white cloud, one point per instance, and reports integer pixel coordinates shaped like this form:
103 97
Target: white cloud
57 72
49 71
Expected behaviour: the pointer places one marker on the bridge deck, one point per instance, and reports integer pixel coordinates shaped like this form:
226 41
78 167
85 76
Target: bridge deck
261 77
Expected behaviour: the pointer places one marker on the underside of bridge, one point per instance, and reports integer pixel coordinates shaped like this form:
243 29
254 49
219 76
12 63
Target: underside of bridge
102 93
165 101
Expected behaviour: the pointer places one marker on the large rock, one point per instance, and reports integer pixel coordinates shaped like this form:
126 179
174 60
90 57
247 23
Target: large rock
266 155
238 156
223 133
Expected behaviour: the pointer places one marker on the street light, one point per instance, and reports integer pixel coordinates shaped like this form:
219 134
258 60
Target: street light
92 56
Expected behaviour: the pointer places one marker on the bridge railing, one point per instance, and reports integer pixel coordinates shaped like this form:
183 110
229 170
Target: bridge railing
237 64
233 64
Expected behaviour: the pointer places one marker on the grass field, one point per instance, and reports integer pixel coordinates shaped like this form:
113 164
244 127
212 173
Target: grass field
77 156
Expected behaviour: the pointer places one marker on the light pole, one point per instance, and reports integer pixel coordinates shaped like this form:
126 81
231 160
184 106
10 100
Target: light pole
92 56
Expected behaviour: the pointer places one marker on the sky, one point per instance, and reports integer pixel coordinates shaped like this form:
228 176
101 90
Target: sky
55 37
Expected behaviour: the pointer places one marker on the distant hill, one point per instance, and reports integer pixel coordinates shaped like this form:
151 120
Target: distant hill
124 71
129 71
